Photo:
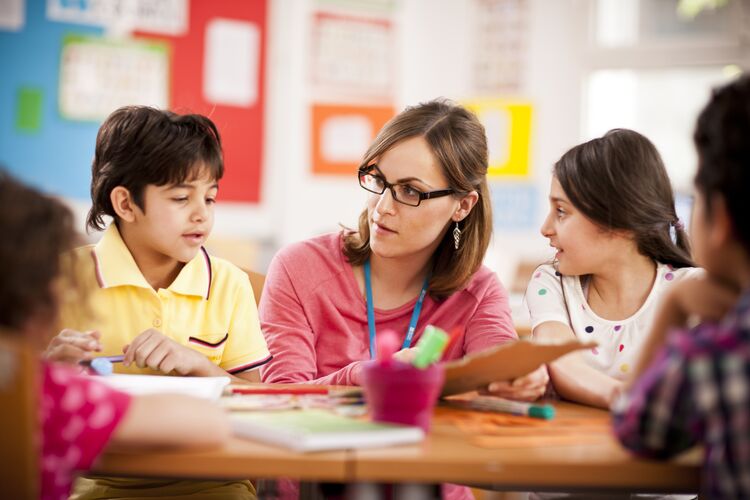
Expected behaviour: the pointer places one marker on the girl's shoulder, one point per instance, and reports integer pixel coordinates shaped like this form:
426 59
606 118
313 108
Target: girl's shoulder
670 274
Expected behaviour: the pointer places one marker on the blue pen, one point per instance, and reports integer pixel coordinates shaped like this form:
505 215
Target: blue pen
102 365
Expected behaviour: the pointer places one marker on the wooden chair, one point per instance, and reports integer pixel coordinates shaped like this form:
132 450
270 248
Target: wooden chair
257 281
19 418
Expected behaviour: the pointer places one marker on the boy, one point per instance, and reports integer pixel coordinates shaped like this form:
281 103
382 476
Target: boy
156 295
697 387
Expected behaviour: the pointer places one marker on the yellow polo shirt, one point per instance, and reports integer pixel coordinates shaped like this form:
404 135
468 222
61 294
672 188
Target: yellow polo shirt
209 307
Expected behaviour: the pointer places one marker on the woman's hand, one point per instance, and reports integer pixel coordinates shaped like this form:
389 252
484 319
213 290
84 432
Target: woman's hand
527 388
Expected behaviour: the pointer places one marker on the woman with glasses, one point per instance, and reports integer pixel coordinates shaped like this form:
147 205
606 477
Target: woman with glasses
415 260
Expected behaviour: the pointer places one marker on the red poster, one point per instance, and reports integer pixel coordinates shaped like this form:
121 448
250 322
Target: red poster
240 125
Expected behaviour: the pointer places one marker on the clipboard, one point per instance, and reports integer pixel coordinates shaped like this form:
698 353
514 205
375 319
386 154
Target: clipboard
504 362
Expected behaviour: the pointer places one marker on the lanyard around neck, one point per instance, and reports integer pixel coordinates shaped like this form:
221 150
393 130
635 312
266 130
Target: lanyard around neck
371 312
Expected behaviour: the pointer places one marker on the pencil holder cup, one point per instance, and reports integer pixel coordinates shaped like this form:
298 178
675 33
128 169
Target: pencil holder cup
400 393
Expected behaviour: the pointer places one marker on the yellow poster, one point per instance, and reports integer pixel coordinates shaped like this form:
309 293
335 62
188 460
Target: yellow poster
508 127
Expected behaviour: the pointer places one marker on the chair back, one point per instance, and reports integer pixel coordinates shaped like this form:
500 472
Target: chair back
257 281
19 418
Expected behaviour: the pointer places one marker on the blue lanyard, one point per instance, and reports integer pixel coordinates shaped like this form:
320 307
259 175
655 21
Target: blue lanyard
371 312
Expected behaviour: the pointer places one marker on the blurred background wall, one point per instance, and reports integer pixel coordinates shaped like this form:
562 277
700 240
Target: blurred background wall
299 88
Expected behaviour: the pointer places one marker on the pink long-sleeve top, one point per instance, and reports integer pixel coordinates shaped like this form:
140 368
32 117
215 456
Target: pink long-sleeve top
314 316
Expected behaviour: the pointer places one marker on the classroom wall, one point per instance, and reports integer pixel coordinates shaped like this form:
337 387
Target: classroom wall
433 44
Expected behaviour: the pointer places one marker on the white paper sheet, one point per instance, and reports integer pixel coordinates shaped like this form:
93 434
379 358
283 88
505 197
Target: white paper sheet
231 62
200 387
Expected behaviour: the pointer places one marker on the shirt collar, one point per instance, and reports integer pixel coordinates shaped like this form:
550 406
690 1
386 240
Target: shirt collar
115 266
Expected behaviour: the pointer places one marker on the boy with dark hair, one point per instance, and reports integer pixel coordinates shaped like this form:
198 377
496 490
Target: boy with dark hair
157 296
696 388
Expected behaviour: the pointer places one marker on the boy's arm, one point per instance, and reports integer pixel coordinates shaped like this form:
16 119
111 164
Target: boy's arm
700 297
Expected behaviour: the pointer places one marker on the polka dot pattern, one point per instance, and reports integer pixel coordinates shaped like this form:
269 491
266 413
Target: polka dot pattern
618 328
542 291
589 329
621 347
624 368
669 276
78 417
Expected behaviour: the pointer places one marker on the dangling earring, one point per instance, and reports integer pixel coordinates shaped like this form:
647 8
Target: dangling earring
456 236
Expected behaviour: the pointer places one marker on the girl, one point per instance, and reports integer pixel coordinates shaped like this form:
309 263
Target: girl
619 248
80 416
417 254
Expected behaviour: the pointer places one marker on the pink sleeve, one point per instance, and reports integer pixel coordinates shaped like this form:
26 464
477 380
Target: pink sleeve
492 323
290 337
79 415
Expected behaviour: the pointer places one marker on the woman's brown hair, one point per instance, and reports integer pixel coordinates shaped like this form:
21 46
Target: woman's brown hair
619 182
37 229
459 144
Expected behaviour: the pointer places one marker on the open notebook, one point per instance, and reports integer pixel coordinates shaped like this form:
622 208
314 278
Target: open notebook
316 430
200 387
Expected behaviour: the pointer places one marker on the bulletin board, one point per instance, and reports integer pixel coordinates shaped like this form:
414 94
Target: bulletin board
341 135
215 57
508 128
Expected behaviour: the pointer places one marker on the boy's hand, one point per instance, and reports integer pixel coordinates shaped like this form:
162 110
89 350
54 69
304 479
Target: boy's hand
155 350
71 346
530 387
703 297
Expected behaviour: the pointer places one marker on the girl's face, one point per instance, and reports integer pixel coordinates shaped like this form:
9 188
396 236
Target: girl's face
582 246
398 230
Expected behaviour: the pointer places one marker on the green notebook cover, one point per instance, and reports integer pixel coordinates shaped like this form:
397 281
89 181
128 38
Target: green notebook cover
316 430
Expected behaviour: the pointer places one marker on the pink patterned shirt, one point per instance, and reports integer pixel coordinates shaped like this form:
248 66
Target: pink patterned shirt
78 415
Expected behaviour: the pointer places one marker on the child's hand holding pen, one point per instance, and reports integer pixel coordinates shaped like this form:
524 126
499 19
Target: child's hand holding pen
71 346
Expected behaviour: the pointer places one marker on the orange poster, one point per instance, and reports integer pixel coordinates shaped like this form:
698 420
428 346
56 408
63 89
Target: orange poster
341 135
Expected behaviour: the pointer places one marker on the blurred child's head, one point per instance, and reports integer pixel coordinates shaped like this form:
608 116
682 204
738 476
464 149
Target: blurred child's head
619 185
721 222
156 173
434 146
37 229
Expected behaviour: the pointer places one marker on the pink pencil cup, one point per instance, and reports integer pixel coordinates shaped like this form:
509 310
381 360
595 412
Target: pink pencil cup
400 393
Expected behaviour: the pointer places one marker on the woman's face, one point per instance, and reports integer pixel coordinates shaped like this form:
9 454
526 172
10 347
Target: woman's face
398 230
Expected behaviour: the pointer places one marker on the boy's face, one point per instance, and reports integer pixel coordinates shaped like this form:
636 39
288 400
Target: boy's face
176 220
709 238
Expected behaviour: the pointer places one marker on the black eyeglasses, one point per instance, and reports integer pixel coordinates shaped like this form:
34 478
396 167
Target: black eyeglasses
373 181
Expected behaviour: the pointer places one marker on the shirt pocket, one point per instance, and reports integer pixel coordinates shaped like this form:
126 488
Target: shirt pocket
210 345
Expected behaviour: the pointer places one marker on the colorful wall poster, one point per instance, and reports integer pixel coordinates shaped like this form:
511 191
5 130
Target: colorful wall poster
169 17
99 75
237 112
353 55
508 127
342 134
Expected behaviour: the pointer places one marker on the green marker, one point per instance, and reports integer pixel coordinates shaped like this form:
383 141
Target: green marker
430 347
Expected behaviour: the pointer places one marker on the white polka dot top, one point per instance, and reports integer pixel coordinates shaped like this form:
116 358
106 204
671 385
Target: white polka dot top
619 341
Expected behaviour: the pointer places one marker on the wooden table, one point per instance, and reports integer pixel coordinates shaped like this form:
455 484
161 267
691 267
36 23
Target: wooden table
574 451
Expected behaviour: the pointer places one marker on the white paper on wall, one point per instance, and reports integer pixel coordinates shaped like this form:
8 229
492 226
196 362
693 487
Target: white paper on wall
97 77
344 138
169 17
231 62
497 126
12 14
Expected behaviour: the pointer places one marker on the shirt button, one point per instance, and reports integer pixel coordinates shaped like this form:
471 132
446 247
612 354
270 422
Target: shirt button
157 323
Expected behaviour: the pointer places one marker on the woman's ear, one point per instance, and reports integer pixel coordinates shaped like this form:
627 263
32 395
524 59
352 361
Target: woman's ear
122 203
465 205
